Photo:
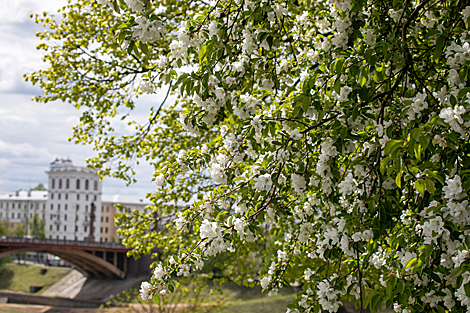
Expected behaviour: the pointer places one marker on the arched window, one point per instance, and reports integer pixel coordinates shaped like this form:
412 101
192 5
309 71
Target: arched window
78 183
53 183
86 184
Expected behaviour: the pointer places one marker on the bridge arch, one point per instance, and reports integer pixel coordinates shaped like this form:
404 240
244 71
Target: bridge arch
92 260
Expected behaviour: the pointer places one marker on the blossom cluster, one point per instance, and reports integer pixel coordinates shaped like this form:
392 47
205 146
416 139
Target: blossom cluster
348 143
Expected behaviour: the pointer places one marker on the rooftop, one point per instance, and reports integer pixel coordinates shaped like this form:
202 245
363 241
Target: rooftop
66 165
24 195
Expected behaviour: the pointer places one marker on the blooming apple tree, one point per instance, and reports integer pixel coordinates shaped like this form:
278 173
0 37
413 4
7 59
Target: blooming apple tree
339 127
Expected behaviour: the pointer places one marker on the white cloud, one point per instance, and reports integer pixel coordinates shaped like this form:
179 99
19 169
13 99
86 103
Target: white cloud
33 134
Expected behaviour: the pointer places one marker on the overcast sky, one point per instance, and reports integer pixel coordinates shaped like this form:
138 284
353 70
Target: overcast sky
32 135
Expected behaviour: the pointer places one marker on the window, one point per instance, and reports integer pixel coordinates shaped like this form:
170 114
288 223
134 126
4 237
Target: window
65 217
78 184
95 185
12 215
86 208
13 205
50 228
52 196
78 197
107 219
53 183
65 207
101 230
65 228
51 217
101 219
76 229
67 184
58 196
107 208
105 239
102 208
18 215
86 198
60 183
106 230
86 184
58 207
78 207
94 198
52 207
57 230
77 218
66 196
84 229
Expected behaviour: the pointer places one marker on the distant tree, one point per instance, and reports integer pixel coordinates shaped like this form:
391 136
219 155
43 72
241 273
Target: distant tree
3 228
37 226
39 187
18 231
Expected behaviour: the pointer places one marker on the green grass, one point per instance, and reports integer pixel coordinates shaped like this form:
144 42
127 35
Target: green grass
18 277
11 311
274 304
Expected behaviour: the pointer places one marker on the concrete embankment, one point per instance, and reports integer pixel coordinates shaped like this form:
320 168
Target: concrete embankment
78 287
73 291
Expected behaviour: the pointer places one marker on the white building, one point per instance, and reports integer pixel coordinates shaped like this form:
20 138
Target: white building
74 201
20 207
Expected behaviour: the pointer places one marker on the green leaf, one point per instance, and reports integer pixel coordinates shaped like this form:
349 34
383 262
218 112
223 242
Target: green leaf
467 289
144 48
384 164
339 66
116 7
306 103
392 145
439 48
467 241
202 54
429 185
398 180
417 150
374 304
410 262
354 70
419 185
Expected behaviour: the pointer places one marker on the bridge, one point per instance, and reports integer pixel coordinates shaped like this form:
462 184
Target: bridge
93 259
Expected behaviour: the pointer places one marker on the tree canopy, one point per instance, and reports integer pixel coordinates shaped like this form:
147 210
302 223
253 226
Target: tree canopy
328 139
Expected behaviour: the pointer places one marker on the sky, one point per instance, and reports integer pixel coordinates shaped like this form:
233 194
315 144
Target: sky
32 135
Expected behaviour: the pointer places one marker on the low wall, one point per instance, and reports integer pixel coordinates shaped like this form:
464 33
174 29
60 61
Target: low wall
24 298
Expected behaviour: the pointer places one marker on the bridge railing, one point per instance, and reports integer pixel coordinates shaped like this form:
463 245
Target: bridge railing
61 242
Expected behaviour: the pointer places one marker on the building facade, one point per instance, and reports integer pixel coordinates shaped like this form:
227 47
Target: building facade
108 229
74 202
20 207
72 208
